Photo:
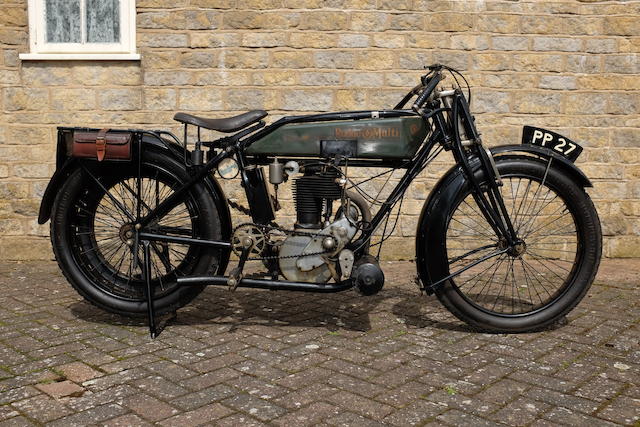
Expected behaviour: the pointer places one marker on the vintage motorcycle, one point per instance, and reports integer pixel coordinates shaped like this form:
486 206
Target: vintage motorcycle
508 239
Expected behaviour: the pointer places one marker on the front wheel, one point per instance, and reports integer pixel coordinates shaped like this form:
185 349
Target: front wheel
536 283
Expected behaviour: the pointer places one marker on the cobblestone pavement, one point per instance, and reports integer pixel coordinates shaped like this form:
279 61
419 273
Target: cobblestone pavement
278 358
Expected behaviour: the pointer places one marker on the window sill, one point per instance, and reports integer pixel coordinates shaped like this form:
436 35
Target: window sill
79 56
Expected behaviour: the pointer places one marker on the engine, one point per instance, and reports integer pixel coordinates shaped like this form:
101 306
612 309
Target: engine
325 224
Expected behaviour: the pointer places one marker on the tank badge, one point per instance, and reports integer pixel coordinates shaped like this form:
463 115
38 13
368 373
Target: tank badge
368 132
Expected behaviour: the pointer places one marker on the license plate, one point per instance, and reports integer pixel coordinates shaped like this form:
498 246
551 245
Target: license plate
551 140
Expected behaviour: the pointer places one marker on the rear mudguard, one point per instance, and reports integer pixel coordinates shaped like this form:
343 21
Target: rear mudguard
69 166
433 217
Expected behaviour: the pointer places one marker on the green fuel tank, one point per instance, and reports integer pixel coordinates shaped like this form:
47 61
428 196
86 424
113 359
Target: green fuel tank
389 138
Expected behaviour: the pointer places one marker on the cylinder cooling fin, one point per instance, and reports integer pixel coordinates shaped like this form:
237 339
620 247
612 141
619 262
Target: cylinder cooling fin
310 192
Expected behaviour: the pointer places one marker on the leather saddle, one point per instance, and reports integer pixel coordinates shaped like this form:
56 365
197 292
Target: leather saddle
230 124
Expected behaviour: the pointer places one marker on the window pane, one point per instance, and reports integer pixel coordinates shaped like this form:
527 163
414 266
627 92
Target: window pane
63 21
103 21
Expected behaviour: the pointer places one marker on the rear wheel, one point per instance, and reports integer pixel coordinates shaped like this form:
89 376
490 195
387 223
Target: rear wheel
92 231
540 280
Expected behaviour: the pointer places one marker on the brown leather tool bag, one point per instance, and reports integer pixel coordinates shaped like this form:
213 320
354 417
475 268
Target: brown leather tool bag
102 145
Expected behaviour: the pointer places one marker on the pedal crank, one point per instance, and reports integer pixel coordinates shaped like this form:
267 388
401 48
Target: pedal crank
247 244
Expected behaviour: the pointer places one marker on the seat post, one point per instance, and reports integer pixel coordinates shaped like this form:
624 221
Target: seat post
197 154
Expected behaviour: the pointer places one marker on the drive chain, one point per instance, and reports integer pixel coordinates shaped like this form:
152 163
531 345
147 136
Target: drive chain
271 227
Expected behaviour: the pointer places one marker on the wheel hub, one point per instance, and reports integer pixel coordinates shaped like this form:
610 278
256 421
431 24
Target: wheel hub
518 249
126 232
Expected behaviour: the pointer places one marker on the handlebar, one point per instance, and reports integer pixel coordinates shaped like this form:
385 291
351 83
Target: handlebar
428 89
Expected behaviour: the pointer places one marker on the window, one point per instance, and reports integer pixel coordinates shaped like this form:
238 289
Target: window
82 29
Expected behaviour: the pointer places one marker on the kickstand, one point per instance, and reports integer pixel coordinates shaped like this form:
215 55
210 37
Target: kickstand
146 272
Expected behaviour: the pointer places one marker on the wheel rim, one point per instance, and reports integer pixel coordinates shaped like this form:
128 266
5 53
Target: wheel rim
101 228
523 281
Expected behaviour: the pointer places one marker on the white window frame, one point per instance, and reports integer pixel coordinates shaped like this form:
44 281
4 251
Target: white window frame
41 49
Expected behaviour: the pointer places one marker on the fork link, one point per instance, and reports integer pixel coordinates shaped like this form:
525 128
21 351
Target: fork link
236 274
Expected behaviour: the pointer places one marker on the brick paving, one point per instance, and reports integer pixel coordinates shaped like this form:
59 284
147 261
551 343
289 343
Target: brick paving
255 358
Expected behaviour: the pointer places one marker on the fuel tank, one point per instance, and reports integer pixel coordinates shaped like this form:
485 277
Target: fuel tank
388 138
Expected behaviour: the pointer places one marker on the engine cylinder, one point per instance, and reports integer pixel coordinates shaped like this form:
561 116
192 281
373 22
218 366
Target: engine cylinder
310 192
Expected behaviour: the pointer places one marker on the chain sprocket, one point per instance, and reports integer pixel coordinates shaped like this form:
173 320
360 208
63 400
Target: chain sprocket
266 229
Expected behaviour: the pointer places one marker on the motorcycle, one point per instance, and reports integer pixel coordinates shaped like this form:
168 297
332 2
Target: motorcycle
508 239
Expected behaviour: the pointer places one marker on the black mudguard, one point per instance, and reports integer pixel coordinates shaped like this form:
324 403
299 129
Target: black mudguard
433 215
70 165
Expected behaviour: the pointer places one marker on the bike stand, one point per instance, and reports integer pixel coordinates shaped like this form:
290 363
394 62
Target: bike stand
148 290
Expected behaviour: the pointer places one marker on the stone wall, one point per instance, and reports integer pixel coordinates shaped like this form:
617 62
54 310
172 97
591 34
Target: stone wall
571 66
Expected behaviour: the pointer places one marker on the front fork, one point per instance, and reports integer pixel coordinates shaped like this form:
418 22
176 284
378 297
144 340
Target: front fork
466 142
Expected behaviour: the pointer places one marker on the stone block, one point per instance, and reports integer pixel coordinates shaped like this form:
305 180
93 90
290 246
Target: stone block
369 21
623 103
91 74
335 59
558 82
375 60
314 78
264 39
583 64
166 78
413 60
363 79
563 44
469 42
13 37
277 78
13 16
625 247
159 59
499 23
537 102
250 99
19 98
600 45
160 99
198 59
200 100
538 62
621 25
353 40
407 22
625 137
510 42
324 21
163 40
490 101
585 103
492 61
389 41
221 78
71 99
249 20
307 100
202 19
166 19
207 39
624 64
307 39
9 77
120 99
243 59
449 21
291 59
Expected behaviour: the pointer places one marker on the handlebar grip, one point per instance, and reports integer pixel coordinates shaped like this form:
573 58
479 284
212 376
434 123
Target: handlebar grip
433 82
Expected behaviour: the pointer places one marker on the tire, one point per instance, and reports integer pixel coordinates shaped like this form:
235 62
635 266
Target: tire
519 291
89 232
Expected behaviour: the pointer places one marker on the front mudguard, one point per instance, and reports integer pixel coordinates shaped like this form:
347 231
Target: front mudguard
433 217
